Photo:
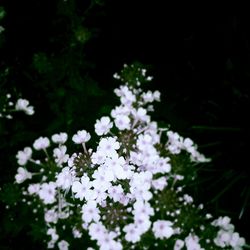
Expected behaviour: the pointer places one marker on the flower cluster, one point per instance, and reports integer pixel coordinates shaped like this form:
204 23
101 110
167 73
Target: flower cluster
127 193
10 106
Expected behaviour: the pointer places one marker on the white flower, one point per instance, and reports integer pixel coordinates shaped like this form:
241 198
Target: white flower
103 177
143 224
163 165
71 160
223 238
107 241
34 188
109 244
115 164
60 138
98 157
60 155
51 244
148 97
90 212
237 242
224 223
120 110
162 229
187 198
63 245
141 114
41 143
122 122
144 142
126 95
22 175
128 170
141 181
103 126
132 233
53 234
65 178
100 193
160 183
115 192
76 233
142 209
192 243
157 96
23 105
96 231
82 189
174 144
108 146
24 156
47 192
82 136
51 216
179 244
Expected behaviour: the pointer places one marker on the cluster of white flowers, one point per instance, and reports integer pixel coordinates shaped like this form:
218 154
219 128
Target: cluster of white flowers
23 105
121 191
226 237
10 106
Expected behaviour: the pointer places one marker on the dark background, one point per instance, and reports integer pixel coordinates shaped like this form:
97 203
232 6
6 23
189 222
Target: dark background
62 55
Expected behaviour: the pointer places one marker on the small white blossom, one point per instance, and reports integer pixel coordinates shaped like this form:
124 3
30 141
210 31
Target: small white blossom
41 143
82 189
157 95
122 122
148 97
90 212
60 138
24 156
163 229
97 231
103 126
132 233
65 178
179 244
33 188
22 175
115 192
115 164
121 110
141 115
237 242
192 243
82 136
109 244
160 183
108 146
51 216
98 157
60 155
103 178
63 245
76 233
142 223
47 192
53 234
23 105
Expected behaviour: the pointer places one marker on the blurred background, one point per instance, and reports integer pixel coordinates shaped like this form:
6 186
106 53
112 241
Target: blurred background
61 55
